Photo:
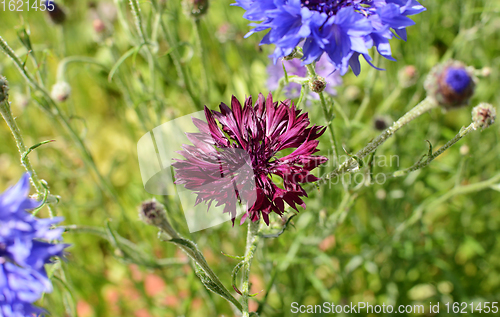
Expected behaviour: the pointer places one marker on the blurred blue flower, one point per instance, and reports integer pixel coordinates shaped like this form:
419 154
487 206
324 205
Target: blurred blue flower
293 67
23 253
343 29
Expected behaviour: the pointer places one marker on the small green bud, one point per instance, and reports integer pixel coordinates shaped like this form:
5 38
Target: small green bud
152 212
484 115
317 84
196 8
4 88
60 91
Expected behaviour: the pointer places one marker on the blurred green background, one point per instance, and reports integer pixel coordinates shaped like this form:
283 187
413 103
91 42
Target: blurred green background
345 247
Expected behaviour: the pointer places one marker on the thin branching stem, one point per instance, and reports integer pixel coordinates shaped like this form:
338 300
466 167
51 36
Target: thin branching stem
252 241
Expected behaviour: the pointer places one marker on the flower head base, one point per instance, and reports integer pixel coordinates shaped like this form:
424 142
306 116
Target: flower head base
23 252
343 29
252 135
484 115
451 84
293 67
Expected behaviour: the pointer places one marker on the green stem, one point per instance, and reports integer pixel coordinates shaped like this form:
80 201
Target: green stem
252 241
192 251
179 66
87 157
372 79
203 59
389 101
419 165
424 106
25 161
326 110
63 65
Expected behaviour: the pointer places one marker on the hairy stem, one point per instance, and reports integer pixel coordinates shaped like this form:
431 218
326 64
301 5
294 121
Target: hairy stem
326 110
419 165
62 120
424 106
252 241
25 161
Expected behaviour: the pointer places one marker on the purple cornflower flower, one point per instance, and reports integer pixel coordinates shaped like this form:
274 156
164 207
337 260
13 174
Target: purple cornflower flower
294 67
343 29
23 252
251 135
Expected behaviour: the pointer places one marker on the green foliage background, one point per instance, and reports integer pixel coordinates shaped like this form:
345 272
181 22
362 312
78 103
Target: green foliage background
345 247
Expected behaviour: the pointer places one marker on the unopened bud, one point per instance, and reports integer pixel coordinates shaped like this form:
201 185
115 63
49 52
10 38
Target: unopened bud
4 88
317 84
196 8
98 25
152 212
484 115
408 76
56 13
60 91
451 84
486 71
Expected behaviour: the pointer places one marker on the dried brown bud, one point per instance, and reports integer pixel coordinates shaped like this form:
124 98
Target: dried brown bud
152 212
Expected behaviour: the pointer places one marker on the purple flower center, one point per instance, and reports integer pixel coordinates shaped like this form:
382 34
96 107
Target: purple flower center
458 79
331 7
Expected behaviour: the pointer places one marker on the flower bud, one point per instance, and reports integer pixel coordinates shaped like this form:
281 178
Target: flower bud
408 76
4 88
317 84
484 115
56 13
451 84
196 8
98 25
60 91
152 212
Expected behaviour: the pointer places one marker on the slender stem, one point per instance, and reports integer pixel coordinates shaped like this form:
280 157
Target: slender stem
63 65
25 161
192 251
89 160
389 101
424 106
203 59
372 79
419 165
326 110
176 58
252 241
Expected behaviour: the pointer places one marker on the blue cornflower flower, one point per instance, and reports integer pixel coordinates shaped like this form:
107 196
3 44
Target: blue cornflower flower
23 252
343 29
